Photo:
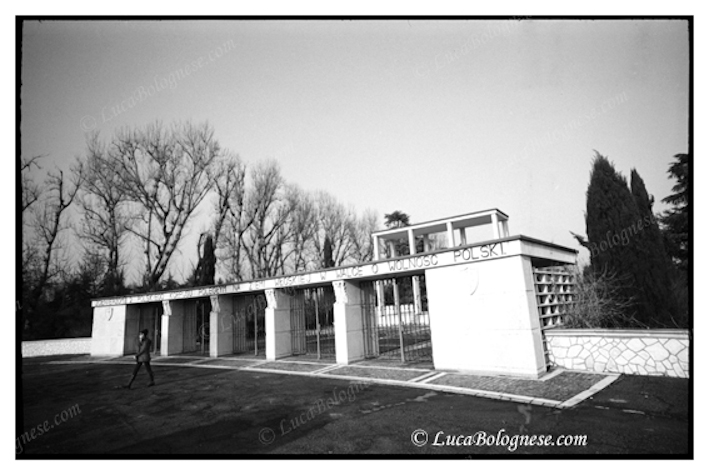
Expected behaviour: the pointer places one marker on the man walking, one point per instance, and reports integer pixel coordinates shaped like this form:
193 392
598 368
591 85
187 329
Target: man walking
144 347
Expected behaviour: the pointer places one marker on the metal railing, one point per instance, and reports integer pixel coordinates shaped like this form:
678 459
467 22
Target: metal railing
396 322
312 322
195 329
249 324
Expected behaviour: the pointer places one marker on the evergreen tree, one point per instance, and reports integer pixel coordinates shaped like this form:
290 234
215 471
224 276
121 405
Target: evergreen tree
675 222
610 208
624 239
327 254
396 219
651 267
206 265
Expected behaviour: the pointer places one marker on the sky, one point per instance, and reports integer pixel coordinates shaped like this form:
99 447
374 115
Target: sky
433 118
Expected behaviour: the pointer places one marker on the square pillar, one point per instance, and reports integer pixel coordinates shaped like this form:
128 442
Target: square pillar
505 229
426 243
412 242
221 322
379 313
463 239
278 334
392 249
349 336
376 249
449 234
416 285
173 312
495 226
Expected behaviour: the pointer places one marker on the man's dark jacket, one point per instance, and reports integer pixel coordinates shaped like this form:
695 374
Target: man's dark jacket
144 350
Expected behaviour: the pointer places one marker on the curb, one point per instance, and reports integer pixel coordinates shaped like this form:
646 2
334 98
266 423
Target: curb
423 381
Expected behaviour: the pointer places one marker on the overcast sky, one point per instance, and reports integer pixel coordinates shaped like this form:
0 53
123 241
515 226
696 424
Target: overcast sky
434 118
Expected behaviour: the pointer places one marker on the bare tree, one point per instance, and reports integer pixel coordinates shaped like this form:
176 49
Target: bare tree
273 228
335 222
230 175
266 217
361 232
167 173
48 223
31 194
236 224
31 191
599 302
303 224
104 203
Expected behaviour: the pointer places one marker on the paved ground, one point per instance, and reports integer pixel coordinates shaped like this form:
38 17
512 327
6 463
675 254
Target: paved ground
199 407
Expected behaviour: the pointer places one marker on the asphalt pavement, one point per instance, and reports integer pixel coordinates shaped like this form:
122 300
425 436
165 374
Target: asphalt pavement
255 408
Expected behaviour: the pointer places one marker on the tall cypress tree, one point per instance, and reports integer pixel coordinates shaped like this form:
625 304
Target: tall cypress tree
624 239
206 264
651 268
327 254
610 208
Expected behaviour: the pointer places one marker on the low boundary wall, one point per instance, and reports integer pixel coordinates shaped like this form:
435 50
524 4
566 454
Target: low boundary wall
64 346
645 352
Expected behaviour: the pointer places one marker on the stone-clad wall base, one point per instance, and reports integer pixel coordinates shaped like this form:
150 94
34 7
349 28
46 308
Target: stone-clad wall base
657 353
65 346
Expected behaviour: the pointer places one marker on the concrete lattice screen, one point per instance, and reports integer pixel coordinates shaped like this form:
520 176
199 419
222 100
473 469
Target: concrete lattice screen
555 288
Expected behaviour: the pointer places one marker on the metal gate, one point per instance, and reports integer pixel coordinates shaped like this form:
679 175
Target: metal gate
396 323
249 324
195 329
313 322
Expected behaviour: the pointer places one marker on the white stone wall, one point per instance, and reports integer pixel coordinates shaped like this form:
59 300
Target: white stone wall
484 318
64 346
645 352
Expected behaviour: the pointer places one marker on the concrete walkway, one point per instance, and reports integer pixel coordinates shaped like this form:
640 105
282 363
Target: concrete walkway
559 388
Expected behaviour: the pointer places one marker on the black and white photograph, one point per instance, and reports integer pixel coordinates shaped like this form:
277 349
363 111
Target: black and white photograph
359 237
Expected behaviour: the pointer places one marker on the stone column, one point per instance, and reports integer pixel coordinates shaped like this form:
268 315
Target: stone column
505 229
376 249
495 226
171 331
349 337
380 309
463 239
221 321
412 242
392 249
416 284
278 334
426 243
449 233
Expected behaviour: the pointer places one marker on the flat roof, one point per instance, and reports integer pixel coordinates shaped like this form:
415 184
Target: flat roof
439 225
359 271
